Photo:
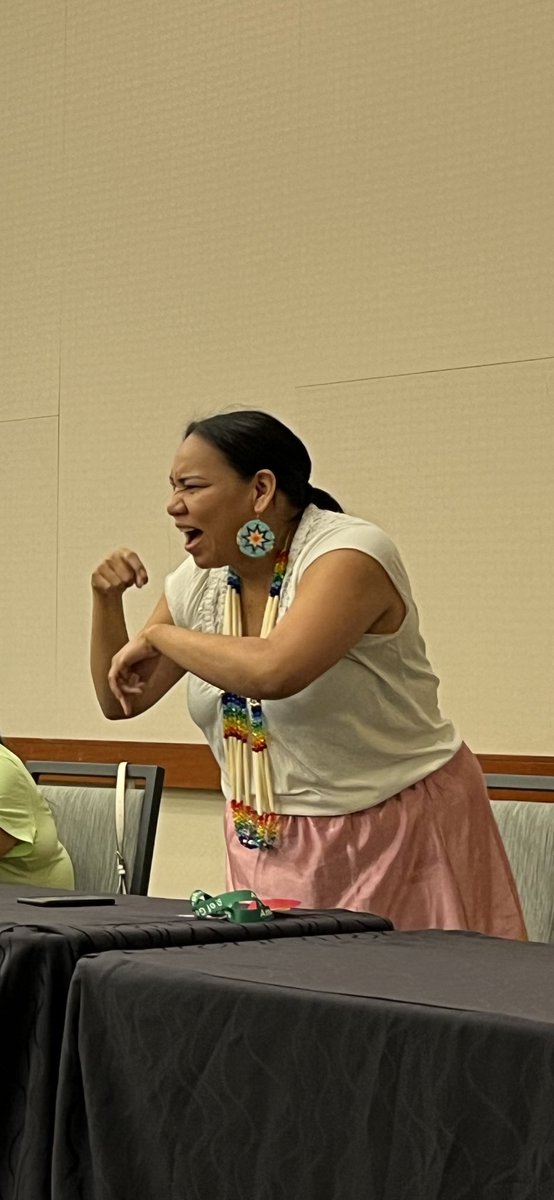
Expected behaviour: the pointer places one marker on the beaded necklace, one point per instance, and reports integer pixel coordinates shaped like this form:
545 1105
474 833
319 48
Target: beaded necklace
245 730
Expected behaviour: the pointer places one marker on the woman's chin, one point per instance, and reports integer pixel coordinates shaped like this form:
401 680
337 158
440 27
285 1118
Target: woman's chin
206 557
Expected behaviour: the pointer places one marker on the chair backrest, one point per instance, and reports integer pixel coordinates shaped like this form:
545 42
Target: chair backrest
85 819
527 831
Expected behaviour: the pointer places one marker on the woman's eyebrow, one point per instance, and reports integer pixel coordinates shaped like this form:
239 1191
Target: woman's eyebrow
186 479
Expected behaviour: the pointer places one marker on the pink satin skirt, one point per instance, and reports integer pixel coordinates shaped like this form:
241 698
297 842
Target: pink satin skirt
430 857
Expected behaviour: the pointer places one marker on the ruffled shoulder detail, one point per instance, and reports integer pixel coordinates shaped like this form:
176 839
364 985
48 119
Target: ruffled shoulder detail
192 595
313 521
212 603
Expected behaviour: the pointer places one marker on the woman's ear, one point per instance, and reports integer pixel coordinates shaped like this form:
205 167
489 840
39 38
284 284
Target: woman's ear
265 487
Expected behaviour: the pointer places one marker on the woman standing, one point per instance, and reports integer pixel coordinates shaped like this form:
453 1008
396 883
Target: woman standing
346 786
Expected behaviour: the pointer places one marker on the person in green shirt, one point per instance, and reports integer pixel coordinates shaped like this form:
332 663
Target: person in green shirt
30 852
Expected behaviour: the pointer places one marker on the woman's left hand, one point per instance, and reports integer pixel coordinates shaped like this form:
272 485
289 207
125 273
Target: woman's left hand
130 670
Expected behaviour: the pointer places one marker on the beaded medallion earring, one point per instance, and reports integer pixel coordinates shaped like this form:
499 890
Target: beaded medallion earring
255 538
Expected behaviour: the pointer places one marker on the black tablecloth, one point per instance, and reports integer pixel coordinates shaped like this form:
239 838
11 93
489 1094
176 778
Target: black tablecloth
397 1066
39 948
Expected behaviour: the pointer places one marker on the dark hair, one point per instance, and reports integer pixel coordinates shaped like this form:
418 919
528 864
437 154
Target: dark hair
254 441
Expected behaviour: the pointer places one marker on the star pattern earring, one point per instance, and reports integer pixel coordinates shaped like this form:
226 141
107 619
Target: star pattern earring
255 538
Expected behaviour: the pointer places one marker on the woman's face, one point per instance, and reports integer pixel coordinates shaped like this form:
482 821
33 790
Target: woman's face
210 502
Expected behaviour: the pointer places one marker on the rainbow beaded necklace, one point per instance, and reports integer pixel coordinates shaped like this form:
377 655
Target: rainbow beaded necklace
245 731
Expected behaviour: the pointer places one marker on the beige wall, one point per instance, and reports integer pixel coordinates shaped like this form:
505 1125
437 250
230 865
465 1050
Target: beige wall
340 210
190 849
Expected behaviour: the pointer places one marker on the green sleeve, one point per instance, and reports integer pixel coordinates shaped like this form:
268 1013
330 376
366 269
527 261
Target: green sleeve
17 801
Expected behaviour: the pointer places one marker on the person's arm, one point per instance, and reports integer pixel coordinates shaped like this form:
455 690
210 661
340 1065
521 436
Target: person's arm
17 823
341 596
7 842
124 569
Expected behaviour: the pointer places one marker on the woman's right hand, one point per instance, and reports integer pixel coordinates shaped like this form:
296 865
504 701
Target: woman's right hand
121 570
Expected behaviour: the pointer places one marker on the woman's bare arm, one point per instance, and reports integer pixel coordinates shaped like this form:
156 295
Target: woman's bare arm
124 569
340 598
7 842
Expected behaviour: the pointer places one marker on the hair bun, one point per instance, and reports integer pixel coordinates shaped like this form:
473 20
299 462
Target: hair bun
322 499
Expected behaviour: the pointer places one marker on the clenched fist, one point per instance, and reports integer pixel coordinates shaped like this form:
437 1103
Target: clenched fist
121 570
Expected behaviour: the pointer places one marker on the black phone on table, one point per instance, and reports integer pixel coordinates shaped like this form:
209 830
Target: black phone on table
69 901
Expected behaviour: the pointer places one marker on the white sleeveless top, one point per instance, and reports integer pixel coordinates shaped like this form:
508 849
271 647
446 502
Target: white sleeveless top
365 729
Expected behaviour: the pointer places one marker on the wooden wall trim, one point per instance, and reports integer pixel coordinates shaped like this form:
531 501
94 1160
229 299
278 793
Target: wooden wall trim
193 766
517 764
186 765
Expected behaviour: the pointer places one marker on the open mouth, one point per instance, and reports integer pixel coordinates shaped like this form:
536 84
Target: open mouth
192 536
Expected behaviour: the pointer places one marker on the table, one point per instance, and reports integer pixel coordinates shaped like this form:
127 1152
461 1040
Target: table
392 1066
39 949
